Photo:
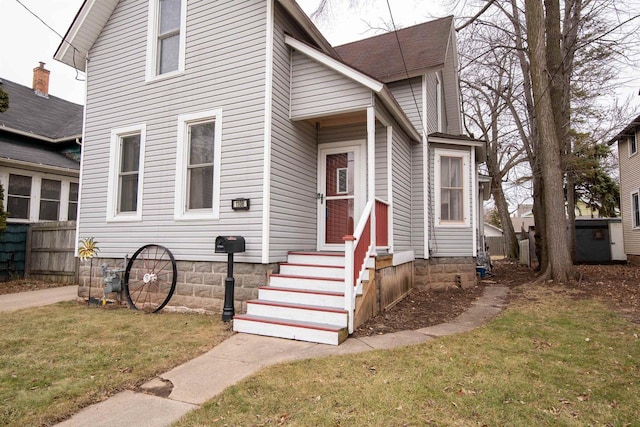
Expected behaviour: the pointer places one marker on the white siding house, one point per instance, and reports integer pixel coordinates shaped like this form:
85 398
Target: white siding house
629 162
344 157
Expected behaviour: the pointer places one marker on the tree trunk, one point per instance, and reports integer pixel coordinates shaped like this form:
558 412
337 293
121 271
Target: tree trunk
559 265
510 239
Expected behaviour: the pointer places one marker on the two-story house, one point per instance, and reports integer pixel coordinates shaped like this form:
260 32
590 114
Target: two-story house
40 137
343 168
629 163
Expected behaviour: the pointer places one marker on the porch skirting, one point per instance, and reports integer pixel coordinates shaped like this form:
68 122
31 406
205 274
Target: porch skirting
633 260
199 286
442 273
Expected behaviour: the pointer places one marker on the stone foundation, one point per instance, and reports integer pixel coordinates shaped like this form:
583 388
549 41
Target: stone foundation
633 260
199 285
442 273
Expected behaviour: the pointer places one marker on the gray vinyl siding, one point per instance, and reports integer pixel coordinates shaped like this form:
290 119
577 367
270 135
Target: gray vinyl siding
224 69
629 183
417 200
381 162
294 161
401 178
451 241
310 94
355 132
432 118
408 93
451 87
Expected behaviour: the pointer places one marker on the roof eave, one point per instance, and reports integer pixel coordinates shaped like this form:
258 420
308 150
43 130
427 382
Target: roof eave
41 137
301 18
74 48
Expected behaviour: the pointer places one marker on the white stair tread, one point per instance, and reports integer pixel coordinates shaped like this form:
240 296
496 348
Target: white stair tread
294 323
298 306
302 291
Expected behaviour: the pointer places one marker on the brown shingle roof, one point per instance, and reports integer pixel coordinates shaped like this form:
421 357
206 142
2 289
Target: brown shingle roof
423 46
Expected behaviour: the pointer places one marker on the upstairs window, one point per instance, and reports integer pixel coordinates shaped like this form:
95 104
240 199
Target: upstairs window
124 197
198 165
19 196
50 200
633 144
166 38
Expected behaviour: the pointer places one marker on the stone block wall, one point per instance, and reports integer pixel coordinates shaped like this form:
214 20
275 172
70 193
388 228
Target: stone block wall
442 273
199 286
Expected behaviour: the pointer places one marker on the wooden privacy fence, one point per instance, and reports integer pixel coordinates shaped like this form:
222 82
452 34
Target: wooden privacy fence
496 245
50 253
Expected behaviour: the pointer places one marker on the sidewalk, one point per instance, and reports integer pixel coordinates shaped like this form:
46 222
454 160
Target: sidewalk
13 302
165 399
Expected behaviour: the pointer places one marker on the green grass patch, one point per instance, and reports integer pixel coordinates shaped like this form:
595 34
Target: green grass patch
548 360
55 360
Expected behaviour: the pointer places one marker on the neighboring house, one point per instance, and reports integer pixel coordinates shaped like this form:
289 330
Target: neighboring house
343 151
629 162
40 139
491 230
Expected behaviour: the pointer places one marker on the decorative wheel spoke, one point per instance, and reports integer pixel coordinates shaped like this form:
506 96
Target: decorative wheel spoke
150 278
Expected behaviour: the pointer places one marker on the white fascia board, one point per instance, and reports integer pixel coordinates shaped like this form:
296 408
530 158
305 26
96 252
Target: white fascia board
39 167
84 31
464 142
334 64
40 137
301 18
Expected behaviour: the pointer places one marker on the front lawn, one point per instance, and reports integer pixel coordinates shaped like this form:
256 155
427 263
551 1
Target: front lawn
58 359
552 358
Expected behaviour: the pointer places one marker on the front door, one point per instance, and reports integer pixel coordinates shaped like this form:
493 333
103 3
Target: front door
340 194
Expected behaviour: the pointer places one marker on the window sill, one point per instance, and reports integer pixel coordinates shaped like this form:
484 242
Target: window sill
125 218
452 225
162 77
197 216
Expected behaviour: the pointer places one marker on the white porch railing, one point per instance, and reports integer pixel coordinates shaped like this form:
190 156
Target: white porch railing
357 250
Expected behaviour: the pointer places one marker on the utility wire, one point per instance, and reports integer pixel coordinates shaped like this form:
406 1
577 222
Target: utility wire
75 50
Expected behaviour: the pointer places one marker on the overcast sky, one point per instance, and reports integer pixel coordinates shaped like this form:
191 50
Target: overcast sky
24 40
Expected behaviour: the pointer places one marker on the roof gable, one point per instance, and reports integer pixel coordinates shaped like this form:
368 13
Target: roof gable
632 127
47 118
424 46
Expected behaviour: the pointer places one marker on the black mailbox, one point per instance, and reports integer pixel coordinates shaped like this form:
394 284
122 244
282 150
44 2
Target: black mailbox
229 244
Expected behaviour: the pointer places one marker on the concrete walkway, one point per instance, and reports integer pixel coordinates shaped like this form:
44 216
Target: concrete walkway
13 302
165 399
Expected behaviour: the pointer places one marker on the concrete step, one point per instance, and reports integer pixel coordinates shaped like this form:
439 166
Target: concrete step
301 296
312 270
317 258
298 312
311 283
302 331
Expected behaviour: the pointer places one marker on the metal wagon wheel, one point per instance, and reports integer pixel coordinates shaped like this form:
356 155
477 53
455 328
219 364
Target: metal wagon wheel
150 278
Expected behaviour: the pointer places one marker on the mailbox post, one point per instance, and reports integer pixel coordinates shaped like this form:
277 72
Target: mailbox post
229 245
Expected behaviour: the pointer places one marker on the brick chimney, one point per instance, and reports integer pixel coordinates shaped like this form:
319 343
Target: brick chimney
41 81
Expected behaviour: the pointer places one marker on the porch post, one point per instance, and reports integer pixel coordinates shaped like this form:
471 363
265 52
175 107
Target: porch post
371 170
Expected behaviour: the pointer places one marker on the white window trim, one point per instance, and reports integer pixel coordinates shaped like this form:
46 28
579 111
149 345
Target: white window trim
634 226
180 209
439 109
466 159
633 153
152 45
114 167
34 204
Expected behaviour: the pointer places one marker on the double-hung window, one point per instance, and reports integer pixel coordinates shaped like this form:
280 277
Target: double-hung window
633 144
635 209
451 176
50 200
19 196
166 37
124 197
198 165
73 201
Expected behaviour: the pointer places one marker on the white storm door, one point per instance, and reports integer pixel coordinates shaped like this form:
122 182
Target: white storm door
340 194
